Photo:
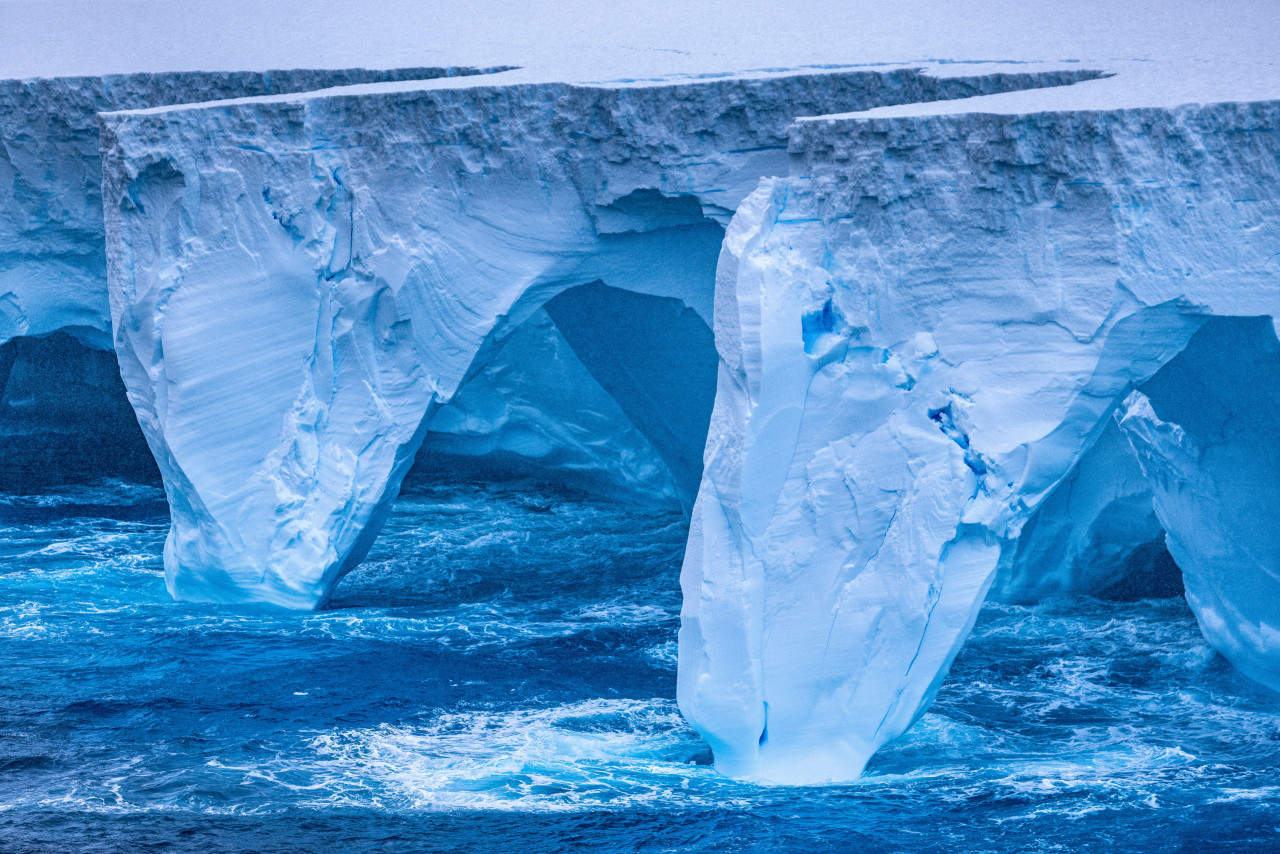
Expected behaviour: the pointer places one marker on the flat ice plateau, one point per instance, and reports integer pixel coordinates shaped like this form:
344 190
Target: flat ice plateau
901 315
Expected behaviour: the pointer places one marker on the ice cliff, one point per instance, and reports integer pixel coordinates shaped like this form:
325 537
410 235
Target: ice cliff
925 331
58 377
374 246
896 338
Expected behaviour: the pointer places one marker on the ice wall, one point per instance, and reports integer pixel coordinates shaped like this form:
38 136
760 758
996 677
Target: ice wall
922 330
1204 429
291 303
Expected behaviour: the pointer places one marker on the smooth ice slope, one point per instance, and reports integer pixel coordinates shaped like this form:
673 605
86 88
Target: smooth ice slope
291 304
922 330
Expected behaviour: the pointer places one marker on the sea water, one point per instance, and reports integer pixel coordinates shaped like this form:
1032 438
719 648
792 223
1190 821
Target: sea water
499 675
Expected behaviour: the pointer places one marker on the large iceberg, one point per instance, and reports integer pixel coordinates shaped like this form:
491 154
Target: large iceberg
896 337
375 245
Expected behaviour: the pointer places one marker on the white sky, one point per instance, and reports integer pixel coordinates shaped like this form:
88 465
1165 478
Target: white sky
1207 50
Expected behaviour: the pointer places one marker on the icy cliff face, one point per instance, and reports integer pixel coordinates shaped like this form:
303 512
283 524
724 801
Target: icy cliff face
923 334
923 330
63 413
291 305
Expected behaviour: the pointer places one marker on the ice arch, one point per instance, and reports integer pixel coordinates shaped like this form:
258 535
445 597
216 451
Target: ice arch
1096 534
603 389
1190 460
358 363
534 413
290 304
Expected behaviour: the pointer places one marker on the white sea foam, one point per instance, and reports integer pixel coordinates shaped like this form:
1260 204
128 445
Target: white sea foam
584 755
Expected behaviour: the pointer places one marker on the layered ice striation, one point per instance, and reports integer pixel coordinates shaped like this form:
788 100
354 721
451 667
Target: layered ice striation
293 306
925 331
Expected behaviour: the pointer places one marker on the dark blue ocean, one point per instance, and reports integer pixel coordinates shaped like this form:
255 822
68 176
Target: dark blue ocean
499 676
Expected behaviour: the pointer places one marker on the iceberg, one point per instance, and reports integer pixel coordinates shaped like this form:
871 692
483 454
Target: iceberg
376 244
923 341
897 337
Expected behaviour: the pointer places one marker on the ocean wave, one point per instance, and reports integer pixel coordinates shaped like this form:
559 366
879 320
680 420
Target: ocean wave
587 755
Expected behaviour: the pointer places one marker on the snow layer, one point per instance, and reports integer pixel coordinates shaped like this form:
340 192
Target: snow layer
1197 46
290 305
922 330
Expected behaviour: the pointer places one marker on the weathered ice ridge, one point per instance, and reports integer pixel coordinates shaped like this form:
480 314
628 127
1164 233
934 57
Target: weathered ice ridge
292 304
922 330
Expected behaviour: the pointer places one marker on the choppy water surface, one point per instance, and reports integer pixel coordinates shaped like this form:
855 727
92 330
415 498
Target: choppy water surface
500 676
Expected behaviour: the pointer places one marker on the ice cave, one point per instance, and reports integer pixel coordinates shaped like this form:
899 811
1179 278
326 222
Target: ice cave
892 340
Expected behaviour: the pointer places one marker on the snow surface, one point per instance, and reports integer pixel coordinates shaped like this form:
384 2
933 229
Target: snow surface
581 40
